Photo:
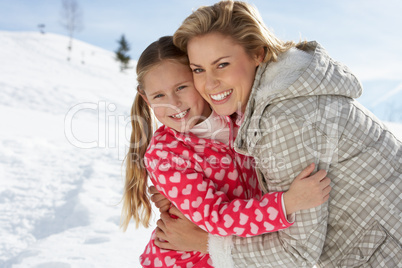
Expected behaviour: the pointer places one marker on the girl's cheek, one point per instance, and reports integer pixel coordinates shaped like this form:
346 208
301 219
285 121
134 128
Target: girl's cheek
157 110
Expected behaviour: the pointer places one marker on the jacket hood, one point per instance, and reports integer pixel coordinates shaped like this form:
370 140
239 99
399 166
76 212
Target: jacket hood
301 72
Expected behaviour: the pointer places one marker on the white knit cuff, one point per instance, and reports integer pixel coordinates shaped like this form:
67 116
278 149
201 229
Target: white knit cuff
290 218
220 251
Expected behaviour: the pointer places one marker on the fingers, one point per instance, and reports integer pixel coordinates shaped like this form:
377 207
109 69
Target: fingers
152 190
325 181
162 204
175 211
325 199
324 184
325 193
164 208
326 190
159 200
306 172
161 239
161 244
164 244
320 175
161 225
157 197
160 234
165 217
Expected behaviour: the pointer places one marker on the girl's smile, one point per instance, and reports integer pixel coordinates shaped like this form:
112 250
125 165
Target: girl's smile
181 115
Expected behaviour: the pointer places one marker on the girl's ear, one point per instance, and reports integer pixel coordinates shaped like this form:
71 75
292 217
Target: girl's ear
142 93
144 98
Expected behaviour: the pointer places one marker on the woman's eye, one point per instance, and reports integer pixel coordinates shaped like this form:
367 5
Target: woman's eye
222 65
181 87
158 96
197 70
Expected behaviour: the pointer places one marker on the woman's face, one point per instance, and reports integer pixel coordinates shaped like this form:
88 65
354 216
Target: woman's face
170 91
223 72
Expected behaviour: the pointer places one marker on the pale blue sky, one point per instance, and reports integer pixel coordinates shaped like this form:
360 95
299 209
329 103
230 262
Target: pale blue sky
364 34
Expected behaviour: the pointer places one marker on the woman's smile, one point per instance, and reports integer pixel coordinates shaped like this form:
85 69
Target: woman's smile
221 96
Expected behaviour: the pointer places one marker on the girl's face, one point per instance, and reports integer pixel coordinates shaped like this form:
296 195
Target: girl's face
223 72
170 91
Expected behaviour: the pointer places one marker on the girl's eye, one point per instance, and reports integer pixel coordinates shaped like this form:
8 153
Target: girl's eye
222 65
158 96
181 87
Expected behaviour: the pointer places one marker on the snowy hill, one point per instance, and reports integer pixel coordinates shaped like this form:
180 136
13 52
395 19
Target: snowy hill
62 142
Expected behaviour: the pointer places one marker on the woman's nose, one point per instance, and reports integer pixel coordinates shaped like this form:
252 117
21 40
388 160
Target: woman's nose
211 82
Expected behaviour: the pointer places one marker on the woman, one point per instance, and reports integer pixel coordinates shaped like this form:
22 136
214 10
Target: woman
296 105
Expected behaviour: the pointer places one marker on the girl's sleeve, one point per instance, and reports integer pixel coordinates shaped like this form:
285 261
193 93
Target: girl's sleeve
184 183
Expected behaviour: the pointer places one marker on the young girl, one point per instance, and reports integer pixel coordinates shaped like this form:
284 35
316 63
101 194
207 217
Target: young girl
191 161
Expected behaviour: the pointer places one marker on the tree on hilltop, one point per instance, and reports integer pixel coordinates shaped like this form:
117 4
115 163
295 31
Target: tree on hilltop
122 53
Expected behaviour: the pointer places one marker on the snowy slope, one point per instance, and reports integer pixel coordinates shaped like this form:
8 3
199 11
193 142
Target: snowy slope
62 142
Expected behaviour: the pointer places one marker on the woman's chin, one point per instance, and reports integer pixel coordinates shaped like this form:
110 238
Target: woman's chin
223 110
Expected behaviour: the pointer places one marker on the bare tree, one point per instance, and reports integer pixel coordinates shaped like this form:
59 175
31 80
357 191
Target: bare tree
71 20
41 28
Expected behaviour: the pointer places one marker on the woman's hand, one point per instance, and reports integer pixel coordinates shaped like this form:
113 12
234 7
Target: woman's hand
159 199
179 233
307 191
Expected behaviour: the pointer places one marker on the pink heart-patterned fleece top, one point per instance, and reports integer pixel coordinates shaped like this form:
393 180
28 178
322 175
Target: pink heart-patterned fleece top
213 186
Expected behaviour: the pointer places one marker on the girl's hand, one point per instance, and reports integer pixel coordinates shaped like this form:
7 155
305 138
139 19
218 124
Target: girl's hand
307 191
159 199
179 233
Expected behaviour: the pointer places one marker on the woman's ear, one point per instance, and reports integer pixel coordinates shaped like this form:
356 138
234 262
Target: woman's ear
260 55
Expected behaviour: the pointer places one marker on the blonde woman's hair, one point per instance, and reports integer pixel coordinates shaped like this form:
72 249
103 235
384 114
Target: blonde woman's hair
236 19
136 204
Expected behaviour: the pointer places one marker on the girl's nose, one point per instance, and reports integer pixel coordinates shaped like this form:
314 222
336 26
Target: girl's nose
176 101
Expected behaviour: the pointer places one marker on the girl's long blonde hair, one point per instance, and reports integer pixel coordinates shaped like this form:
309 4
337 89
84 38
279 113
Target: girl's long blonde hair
136 203
236 19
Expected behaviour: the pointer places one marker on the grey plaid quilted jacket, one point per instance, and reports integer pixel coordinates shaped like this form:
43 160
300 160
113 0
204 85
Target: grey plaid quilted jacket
302 110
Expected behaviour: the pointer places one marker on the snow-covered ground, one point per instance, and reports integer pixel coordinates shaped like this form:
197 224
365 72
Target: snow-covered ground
64 128
62 144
